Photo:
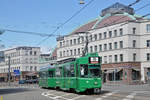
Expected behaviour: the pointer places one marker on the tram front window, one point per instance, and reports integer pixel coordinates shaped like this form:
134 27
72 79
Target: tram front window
94 72
84 70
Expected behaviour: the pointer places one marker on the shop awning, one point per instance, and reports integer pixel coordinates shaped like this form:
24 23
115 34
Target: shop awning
112 70
136 69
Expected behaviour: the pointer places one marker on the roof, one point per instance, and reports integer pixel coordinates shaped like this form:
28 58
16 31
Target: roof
107 20
44 68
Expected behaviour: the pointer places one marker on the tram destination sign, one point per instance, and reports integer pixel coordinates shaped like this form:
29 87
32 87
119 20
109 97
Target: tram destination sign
94 60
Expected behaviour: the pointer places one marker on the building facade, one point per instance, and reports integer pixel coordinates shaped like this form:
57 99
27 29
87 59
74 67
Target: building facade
25 59
120 37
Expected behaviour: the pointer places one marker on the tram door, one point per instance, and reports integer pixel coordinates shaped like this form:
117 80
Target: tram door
77 74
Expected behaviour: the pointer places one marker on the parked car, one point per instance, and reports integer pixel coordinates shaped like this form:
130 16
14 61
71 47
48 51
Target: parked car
22 81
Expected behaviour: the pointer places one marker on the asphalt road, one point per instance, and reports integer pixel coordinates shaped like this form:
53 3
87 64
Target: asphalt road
108 93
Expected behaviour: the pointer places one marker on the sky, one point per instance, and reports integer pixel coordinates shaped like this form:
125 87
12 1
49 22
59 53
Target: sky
44 16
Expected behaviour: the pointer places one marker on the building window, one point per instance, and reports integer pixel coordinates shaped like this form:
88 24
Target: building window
82 38
90 37
115 45
110 34
30 52
115 33
70 52
100 47
74 41
64 53
148 56
67 52
95 36
100 36
110 58
116 58
31 68
60 44
60 53
121 32
134 43
35 68
74 51
134 30
105 47
78 40
134 56
95 47
78 51
35 53
70 42
91 49
121 57
110 46
105 35
105 59
148 43
148 27
121 44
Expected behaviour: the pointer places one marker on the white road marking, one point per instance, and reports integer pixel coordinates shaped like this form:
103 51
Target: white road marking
106 95
77 97
130 96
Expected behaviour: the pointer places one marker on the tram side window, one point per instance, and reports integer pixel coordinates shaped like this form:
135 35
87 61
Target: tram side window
69 70
51 74
84 70
58 72
40 75
72 70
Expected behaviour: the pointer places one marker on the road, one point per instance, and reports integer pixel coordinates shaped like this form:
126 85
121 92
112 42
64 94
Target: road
32 92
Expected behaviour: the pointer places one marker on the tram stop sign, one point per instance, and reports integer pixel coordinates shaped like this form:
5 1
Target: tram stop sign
16 72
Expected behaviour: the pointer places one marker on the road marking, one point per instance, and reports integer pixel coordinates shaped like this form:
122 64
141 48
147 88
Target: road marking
77 97
106 95
130 96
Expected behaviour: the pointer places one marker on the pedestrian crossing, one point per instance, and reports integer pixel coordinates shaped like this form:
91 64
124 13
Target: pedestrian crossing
113 95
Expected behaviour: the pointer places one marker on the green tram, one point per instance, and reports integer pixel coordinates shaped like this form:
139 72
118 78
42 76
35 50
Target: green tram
80 74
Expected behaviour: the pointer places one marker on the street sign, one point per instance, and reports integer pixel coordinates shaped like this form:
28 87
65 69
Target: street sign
16 72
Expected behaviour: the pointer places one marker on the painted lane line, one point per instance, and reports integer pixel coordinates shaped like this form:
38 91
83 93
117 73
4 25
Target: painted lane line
130 96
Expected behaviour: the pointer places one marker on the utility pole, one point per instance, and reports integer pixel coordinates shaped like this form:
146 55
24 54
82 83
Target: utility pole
86 42
86 45
9 74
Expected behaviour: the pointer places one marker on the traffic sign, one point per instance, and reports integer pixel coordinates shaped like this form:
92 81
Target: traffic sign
16 72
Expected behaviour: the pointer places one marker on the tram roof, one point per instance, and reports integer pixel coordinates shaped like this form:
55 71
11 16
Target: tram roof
46 67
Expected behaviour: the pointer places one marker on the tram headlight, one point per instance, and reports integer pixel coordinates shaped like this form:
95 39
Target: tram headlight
95 83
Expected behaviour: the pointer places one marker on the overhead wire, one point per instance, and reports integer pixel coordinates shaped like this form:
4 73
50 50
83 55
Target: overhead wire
75 14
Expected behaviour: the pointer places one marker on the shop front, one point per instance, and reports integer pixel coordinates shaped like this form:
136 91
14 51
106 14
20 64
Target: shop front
128 73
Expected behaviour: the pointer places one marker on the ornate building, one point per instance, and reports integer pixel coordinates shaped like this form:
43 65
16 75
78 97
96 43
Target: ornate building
120 37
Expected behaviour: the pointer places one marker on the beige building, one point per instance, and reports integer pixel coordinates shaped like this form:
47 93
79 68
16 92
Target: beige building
25 59
121 37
